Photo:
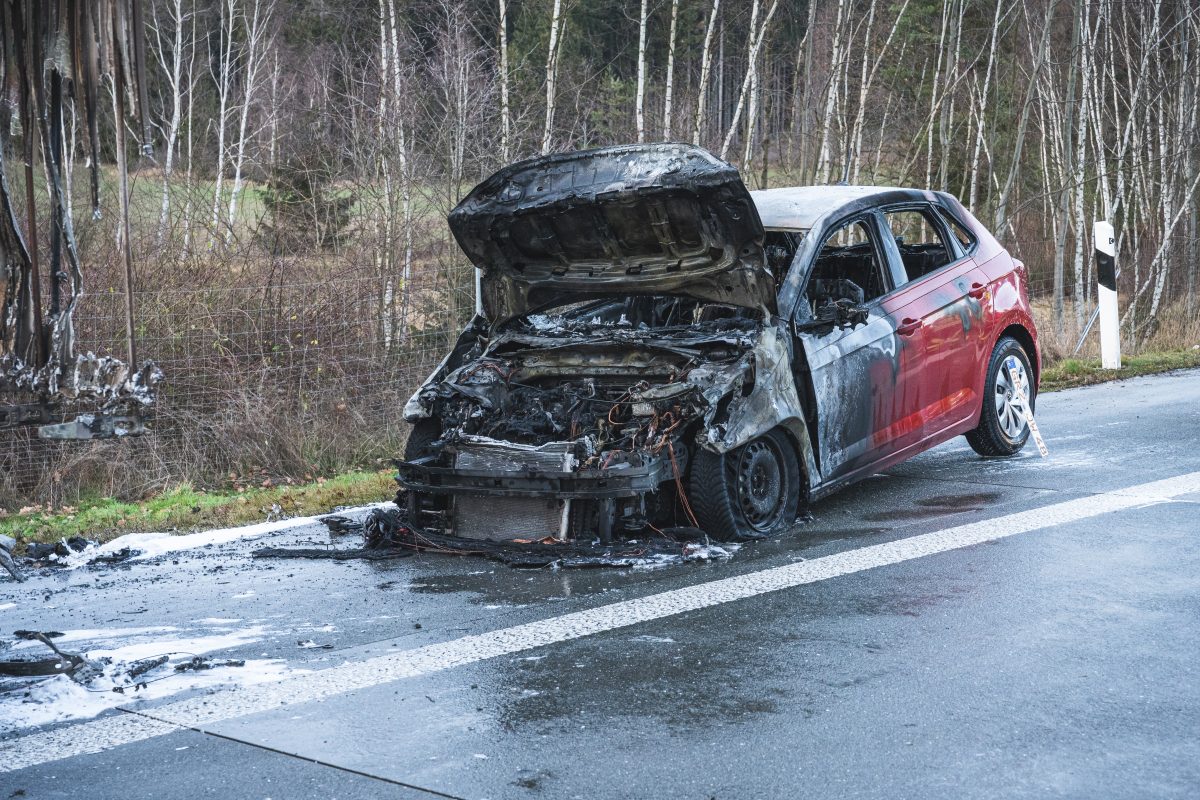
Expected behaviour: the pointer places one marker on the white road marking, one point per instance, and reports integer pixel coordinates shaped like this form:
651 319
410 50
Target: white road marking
202 712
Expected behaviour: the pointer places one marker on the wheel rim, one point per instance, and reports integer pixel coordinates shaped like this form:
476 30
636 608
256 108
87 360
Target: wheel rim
1010 410
760 484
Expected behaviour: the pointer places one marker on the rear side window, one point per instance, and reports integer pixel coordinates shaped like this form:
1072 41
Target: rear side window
919 240
958 230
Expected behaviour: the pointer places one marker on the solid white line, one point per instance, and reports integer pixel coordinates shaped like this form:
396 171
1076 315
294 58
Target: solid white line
201 712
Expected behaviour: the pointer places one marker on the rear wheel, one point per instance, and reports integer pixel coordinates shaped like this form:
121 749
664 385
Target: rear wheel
1002 429
748 493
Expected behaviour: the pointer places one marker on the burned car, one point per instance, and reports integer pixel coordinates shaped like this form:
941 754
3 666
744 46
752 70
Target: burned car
660 346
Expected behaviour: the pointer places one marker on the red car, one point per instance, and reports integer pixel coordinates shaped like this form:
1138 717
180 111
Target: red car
660 345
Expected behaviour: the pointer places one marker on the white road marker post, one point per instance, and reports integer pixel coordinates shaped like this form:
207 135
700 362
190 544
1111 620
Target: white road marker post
1011 365
1106 277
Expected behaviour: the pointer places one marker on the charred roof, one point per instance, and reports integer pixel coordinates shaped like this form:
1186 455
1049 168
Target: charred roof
801 207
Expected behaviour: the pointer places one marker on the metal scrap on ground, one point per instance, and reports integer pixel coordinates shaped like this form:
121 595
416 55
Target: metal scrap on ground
386 535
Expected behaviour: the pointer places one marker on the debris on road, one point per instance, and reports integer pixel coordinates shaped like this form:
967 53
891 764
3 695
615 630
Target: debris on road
198 663
75 551
386 534
7 543
73 665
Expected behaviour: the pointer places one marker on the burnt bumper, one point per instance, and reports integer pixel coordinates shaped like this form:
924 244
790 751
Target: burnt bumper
598 484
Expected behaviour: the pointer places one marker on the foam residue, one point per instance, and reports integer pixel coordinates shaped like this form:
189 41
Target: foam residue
149 545
25 704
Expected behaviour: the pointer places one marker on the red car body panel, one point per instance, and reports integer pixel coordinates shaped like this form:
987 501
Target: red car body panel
914 376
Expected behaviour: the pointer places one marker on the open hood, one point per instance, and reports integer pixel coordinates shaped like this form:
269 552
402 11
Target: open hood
633 219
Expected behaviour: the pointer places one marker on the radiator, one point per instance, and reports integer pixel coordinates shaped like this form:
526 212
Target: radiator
501 518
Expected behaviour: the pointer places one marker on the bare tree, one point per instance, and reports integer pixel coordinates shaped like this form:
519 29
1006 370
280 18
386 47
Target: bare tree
173 50
556 24
752 60
253 57
705 70
670 79
505 113
640 100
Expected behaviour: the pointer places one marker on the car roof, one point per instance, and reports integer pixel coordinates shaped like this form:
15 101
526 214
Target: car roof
801 207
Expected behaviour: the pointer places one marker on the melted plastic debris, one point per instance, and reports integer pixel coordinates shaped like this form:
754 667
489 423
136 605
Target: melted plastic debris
132 666
77 552
386 534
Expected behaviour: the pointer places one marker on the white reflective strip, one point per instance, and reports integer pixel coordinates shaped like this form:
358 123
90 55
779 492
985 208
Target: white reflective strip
201 712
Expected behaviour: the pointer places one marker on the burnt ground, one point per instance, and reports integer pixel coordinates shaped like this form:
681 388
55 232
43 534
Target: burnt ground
1056 662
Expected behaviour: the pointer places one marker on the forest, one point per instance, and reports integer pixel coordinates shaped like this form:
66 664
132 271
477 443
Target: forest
293 275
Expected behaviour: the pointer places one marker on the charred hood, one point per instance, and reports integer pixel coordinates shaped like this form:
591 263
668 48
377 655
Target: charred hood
634 219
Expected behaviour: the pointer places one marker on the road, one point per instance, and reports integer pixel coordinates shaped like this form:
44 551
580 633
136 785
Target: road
953 628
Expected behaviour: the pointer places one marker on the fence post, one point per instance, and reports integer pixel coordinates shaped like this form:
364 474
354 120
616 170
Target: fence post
1106 276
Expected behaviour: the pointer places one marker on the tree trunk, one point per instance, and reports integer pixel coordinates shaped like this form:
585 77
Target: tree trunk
552 74
640 101
670 87
505 113
705 69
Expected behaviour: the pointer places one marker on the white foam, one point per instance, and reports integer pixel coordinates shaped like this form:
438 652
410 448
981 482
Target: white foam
150 545
60 698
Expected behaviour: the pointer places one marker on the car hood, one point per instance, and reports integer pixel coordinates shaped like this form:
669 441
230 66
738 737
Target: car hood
633 219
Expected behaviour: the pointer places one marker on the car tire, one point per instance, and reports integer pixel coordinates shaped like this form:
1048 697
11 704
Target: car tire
424 433
1002 429
750 492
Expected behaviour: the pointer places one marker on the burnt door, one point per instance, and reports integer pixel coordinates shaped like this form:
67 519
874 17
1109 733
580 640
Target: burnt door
856 373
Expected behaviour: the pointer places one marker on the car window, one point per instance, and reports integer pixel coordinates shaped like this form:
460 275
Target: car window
780 248
958 230
847 267
919 240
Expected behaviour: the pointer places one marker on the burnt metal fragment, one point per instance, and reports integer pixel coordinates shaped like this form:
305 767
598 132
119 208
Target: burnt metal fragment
387 534
54 58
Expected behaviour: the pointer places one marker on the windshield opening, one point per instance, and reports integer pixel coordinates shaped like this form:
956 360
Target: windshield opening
635 312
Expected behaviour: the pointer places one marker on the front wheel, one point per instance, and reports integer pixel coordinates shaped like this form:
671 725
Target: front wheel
1002 429
750 492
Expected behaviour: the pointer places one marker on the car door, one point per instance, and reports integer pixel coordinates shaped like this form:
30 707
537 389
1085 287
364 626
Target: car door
945 294
860 377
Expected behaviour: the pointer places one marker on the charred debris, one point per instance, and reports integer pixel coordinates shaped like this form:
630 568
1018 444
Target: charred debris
97 674
54 59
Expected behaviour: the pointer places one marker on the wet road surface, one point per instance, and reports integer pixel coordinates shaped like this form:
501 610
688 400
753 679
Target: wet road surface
953 628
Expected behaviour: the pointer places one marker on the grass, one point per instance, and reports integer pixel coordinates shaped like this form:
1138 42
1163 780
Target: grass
187 509
1072 372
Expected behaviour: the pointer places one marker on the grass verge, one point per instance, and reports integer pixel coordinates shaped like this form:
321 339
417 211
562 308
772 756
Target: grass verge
1071 372
187 509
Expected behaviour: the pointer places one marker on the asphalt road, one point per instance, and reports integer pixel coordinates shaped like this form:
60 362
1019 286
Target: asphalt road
953 628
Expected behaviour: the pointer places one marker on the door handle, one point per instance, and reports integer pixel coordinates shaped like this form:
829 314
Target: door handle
978 290
908 326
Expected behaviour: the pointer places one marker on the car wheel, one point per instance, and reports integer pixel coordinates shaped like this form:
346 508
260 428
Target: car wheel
1002 429
424 433
750 492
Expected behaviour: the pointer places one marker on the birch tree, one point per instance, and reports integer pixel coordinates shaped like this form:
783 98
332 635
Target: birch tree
705 70
556 24
669 90
640 100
